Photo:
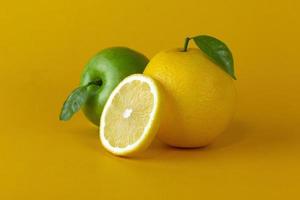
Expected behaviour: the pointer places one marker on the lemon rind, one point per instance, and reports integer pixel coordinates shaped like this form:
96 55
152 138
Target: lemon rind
150 129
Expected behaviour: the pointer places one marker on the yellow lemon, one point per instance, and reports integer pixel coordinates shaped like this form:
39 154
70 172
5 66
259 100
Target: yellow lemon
131 115
200 97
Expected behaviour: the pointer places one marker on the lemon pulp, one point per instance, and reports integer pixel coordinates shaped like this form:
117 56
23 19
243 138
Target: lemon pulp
131 115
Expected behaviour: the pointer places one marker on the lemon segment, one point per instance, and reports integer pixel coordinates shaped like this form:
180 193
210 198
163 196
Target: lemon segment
131 116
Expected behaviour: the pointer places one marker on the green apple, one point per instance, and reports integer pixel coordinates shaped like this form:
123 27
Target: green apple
100 76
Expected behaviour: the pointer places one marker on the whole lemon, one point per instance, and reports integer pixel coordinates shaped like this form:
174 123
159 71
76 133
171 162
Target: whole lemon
200 97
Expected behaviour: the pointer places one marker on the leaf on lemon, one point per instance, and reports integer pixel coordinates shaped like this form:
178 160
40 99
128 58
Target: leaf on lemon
217 51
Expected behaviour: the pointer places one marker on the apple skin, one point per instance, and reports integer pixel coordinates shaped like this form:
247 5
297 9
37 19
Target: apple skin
111 66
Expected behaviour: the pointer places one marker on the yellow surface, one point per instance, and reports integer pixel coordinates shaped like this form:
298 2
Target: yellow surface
200 97
43 47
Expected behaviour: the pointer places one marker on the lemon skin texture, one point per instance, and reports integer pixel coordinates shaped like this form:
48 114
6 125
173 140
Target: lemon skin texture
200 98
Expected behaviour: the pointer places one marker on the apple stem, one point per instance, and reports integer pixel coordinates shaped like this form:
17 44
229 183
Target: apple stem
97 82
186 44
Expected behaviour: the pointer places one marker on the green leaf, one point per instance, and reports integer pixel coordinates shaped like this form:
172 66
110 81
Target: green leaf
217 51
74 102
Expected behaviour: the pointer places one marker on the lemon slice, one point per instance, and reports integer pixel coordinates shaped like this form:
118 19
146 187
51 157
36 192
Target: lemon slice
131 115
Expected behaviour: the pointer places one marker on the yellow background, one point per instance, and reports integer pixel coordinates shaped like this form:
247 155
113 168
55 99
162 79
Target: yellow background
43 48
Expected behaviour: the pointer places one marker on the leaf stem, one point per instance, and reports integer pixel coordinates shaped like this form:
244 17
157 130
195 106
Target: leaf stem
186 44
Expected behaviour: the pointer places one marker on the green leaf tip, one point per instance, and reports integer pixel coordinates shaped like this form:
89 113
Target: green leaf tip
217 51
73 103
76 100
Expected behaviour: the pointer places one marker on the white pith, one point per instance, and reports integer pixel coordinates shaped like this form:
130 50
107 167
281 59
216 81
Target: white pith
127 113
131 147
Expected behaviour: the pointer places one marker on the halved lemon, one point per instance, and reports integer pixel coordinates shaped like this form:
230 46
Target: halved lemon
131 115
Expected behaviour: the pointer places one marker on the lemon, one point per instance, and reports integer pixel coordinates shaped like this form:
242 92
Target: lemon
131 115
200 97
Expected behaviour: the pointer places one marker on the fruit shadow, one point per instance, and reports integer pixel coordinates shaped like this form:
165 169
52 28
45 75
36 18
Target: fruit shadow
236 133
87 136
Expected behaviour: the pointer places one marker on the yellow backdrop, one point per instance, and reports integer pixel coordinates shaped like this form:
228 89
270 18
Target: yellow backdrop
43 48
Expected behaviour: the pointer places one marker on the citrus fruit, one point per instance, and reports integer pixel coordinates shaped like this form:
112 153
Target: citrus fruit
131 115
200 97
110 66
